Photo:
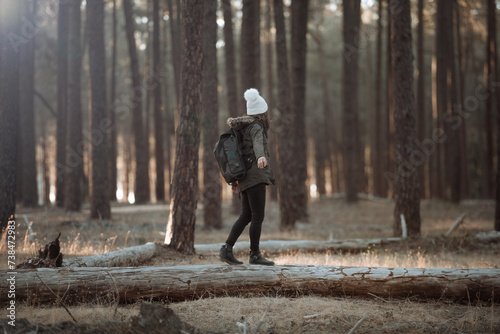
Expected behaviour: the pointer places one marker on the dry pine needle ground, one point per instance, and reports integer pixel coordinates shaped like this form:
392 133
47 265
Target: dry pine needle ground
303 314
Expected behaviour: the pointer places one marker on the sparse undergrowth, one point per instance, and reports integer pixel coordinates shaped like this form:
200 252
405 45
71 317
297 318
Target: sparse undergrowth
328 217
303 314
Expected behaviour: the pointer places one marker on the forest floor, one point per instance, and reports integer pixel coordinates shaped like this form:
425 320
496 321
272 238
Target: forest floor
328 217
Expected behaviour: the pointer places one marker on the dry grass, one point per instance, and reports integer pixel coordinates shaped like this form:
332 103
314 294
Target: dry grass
305 314
139 224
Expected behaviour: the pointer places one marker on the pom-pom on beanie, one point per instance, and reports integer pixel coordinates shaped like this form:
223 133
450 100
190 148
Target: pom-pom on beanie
255 103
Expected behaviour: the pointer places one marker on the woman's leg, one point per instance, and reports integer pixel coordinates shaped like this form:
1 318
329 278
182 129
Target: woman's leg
243 220
257 202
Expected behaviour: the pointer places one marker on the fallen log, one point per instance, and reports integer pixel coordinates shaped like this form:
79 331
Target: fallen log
491 236
305 246
126 256
129 284
143 253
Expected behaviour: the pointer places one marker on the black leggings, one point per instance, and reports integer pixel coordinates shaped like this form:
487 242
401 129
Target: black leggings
253 204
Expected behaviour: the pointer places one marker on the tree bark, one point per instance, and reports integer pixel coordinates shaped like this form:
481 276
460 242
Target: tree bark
175 32
112 140
250 46
158 108
74 154
137 96
10 18
350 126
462 57
129 256
269 84
331 141
62 99
378 159
489 73
233 103
320 158
420 96
299 15
283 128
406 185
99 205
389 126
186 282
182 219
497 194
441 93
212 189
29 192
168 119
453 162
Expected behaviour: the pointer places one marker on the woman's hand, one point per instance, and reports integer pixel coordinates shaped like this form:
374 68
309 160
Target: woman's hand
234 189
262 162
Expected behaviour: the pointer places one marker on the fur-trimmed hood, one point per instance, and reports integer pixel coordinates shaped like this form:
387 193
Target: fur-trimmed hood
239 123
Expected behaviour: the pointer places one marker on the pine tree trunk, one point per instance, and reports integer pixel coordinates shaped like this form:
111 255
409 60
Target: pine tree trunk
378 160
320 158
62 99
350 126
233 102
299 9
330 137
168 120
212 189
497 73
176 48
250 46
10 18
147 95
299 16
128 166
158 110
182 219
489 69
389 126
441 91
269 79
462 131
112 139
406 186
453 162
282 125
99 205
45 164
136 99
27 116
74 153
420 119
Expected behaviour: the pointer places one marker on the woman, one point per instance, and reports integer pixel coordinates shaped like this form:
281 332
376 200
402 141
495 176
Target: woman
252 187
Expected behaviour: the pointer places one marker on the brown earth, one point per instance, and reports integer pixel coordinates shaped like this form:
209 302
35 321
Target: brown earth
135 225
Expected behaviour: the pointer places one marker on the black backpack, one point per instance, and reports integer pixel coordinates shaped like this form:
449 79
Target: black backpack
232 164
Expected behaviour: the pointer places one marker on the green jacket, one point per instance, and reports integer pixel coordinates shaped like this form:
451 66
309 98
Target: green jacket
254 141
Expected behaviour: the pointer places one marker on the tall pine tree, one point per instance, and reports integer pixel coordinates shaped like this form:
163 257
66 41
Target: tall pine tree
182 218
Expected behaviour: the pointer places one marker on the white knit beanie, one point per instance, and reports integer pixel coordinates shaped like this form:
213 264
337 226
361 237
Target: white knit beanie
255 103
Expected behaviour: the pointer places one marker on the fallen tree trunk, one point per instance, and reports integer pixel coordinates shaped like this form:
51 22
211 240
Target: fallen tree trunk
285 246
143 253
126 256
177 283
492 236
